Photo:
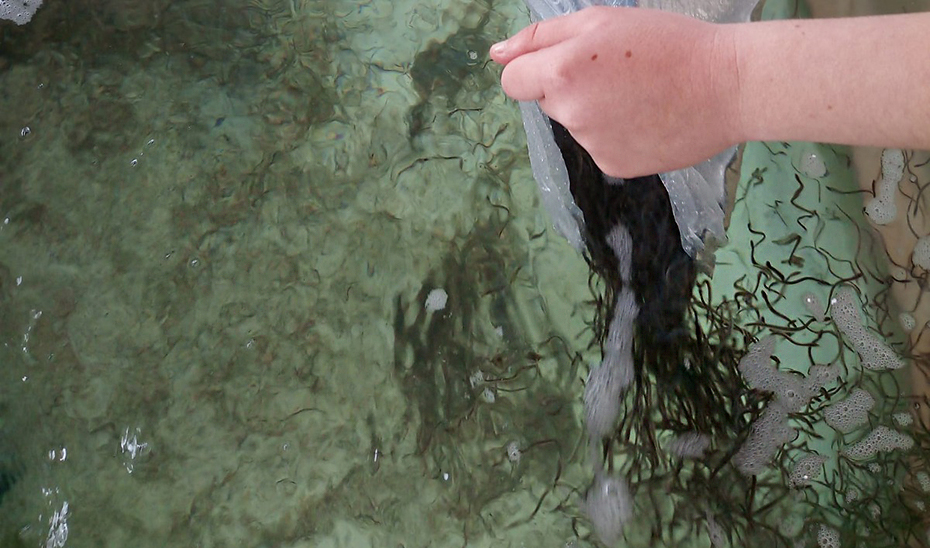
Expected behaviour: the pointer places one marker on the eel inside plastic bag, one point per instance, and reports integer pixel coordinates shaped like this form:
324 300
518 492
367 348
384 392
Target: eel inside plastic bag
697 193
644 238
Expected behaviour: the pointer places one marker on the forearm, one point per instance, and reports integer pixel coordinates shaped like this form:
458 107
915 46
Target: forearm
856 81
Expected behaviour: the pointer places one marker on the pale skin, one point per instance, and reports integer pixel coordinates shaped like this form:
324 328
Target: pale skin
648 91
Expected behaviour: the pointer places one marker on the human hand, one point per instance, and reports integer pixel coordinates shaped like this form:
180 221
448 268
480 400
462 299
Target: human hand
643 91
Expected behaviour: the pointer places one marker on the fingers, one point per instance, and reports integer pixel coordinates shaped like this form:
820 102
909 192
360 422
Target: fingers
518 44
530 55
540 35
522 78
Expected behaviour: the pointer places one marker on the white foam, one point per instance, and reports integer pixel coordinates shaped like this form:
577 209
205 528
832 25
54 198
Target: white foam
766 436
881 439
18 11
602 393
792 391
873 353
882 209
806 469
851 413
689 445
756 366
828 537
908 323
513 452
606 382
921 254
903 419
923 479
852 495
620 332
609 506
436 300
813 166
892 164
621 243
814 306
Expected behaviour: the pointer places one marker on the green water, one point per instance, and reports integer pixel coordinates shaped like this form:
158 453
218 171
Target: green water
220 223
217 234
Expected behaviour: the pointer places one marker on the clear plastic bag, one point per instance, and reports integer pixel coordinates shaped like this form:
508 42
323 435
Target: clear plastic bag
697 193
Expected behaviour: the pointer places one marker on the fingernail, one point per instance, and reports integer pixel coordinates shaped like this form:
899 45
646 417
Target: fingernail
499 48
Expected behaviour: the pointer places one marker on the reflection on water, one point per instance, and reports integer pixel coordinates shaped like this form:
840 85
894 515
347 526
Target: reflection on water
220 224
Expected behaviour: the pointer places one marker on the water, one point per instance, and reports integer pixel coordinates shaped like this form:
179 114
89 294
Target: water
220 223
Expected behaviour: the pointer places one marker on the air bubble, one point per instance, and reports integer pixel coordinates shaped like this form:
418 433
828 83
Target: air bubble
513 452
813 166
907 321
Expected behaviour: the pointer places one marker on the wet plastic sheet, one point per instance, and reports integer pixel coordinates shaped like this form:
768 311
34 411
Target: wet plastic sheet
697 193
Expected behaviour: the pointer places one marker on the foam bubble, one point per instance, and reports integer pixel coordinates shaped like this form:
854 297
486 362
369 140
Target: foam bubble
847 415
621 243
602 400
873 353
923 479
893 164
607 381
436 300
814 306
921 254
18 11
609 506
882 209
805 470
812 165
881 439
903 419
852 495
767 435
756 366
513 452
690 445
908 323
792 391
828 537
620 333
